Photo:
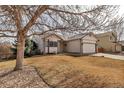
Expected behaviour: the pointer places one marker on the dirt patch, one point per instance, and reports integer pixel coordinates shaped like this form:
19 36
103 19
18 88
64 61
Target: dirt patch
27 77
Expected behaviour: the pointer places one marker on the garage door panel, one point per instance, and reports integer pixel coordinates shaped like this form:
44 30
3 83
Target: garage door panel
88 48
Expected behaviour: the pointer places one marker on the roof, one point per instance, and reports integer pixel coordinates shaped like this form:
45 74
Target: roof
74 37
106 34
79 36
49 34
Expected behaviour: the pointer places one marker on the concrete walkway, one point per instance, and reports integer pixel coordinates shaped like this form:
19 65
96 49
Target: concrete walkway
120 57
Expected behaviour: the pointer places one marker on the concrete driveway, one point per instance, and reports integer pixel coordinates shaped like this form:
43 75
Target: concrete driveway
120 57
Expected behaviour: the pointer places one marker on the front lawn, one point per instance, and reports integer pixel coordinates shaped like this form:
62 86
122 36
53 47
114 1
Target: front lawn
69 71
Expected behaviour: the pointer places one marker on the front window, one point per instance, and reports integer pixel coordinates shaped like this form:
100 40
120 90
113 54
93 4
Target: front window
53 44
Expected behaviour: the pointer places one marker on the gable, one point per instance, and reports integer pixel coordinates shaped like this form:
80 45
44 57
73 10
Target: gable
53 37
89 38
107 34
108 37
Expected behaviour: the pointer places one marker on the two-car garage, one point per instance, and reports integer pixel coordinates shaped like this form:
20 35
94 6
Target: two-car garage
86 44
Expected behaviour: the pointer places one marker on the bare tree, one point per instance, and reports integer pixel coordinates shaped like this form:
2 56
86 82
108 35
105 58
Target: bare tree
23 21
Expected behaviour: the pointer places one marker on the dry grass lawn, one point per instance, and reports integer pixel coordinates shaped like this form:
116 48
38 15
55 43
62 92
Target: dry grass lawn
69 71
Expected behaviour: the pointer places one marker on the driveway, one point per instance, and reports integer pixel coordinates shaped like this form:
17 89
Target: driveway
120 57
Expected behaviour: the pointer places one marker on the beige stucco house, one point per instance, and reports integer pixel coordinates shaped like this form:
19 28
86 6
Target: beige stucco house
122 43
55 43
108 42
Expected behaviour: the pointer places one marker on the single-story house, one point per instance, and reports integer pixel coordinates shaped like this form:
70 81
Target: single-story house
54 43
108 42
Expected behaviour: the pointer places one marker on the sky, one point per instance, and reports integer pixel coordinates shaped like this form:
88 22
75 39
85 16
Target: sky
121 10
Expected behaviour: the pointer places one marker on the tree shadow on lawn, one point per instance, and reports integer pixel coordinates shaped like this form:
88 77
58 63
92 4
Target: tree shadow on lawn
6 72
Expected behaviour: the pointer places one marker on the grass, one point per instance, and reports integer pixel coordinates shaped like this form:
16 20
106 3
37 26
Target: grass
69 71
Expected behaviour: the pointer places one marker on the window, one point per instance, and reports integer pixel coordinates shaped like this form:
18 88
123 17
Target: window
53 44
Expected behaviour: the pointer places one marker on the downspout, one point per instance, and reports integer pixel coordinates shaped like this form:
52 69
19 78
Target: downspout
81 50
96 47
44 46
48 46
115 47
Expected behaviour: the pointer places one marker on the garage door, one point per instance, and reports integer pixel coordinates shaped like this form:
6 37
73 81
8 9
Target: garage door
88 48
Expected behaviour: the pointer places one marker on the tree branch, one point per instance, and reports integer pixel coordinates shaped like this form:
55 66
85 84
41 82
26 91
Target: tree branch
5 35
11 31
74 13
38 12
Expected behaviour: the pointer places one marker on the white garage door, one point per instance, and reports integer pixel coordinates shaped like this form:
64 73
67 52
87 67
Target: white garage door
88 48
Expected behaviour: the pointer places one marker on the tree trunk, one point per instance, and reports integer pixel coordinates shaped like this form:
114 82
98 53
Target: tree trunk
20 51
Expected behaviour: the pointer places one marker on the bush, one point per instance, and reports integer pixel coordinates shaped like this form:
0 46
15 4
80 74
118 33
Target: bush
31 48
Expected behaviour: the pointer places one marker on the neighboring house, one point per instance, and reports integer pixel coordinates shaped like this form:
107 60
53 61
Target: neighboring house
5 50
108 42
54 43
122 43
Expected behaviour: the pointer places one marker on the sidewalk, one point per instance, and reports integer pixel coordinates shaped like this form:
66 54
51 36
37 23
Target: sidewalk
120 57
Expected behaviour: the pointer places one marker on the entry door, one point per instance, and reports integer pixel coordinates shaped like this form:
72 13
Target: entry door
88 48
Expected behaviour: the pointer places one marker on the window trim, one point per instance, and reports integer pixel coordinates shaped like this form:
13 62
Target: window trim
53 44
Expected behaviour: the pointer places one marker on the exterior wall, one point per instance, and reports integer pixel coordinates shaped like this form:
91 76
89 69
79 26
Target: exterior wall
89 44
60 46
89 39
105 43
108 44
52 49
73 46
39 41
118 48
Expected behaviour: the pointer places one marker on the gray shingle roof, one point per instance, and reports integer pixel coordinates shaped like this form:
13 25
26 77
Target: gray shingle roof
78 36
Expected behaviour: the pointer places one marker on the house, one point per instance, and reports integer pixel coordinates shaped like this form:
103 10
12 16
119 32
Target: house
5 50
108 42
82 43
122 43
54 43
